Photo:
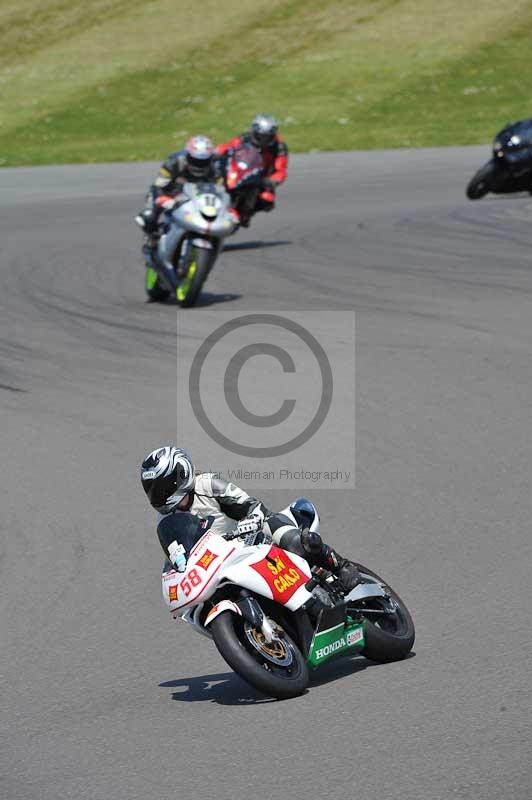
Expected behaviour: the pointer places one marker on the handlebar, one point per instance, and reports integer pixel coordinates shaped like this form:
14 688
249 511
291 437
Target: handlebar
250 539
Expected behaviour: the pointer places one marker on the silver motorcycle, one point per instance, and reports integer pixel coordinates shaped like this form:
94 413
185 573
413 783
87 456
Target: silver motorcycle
192 238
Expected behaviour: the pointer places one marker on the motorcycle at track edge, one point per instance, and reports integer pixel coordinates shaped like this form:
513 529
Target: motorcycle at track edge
272 617
192 238
510 168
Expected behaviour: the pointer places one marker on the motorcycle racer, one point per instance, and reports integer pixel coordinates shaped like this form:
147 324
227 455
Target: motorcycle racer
194 164
263 134
189 503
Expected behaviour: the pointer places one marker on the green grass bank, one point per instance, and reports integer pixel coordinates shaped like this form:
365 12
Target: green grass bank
118 80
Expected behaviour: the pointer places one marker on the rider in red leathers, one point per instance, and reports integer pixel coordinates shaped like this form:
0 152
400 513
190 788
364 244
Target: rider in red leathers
263 135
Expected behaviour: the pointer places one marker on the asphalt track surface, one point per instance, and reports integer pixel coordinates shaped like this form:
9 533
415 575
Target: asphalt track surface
104 696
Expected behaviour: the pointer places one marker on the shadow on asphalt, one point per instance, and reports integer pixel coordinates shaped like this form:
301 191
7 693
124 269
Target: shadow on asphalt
209 299
256 245
227 689
206 299
506 196
336 670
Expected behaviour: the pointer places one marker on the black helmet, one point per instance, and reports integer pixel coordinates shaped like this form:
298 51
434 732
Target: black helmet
199 152
167 475
263 130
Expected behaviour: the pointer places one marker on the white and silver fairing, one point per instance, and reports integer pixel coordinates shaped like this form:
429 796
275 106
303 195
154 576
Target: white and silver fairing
205 212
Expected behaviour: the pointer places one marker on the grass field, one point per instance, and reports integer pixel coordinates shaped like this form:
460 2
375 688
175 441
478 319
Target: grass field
109 80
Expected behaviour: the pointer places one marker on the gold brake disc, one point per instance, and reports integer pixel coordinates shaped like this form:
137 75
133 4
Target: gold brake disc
275 651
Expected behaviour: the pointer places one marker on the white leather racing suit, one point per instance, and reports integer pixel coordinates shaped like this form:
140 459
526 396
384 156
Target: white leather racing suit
217 506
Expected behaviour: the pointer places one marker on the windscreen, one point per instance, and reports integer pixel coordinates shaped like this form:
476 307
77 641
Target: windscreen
248 157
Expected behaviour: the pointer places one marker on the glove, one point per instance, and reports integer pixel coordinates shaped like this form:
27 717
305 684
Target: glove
166 201
176 554
251 524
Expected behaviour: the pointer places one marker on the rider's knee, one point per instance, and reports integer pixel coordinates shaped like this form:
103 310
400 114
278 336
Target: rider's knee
291 541
284 534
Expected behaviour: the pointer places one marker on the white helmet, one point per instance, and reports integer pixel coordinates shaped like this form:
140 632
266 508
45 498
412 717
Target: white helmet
199 152
167 475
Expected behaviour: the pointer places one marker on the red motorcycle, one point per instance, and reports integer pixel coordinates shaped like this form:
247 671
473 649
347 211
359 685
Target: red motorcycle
242 171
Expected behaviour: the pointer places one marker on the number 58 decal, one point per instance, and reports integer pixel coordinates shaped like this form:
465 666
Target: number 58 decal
192 580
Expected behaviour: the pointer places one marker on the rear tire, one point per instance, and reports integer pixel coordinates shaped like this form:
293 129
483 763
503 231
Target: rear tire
189 288
388 637
229 634
482 182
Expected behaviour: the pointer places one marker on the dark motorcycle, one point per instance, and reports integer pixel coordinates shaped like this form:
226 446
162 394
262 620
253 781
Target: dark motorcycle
242 171
510 168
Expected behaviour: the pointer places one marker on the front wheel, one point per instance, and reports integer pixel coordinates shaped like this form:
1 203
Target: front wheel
482 182
390 631
190 285
276 668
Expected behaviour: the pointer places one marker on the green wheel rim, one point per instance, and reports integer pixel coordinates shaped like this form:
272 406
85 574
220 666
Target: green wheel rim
184 287
151 278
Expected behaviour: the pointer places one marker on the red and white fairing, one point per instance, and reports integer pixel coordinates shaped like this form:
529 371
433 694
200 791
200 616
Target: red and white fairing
264 569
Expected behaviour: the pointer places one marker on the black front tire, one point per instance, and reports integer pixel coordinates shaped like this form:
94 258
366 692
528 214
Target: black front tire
482 182
281 682
388 637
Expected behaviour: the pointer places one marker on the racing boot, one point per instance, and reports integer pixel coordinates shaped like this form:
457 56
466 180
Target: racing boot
245 219
321 555
147 220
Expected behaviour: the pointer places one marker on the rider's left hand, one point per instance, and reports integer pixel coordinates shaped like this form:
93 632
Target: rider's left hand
251 523
165 201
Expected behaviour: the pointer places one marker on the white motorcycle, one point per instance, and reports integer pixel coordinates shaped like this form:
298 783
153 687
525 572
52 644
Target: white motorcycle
193 235
272 617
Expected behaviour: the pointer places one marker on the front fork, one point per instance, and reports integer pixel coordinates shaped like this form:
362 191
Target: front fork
183 260
253 613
